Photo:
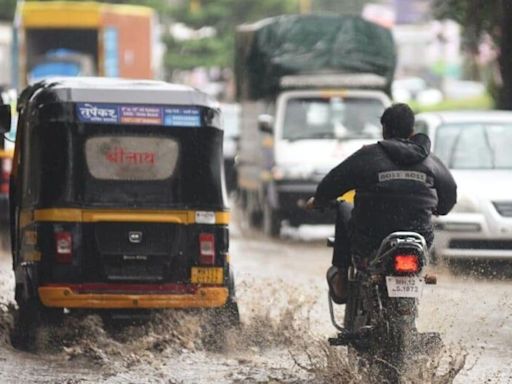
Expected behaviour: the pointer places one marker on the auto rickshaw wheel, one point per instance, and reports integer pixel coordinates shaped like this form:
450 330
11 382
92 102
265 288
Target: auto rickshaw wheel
229 315
31 315
5 237
27 321
220 321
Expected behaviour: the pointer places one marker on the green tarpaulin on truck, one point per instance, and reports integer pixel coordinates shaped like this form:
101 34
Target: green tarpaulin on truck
309 44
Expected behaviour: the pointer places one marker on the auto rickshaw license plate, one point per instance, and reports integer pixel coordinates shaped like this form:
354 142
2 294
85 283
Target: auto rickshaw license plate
404 286
207 275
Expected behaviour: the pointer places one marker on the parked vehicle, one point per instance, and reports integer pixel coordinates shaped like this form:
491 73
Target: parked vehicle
6 151
70 38
5 168
117 201
475 146
61 62
311 94
380 315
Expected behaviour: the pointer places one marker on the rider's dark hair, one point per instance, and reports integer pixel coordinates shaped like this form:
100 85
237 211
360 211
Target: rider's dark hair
398 121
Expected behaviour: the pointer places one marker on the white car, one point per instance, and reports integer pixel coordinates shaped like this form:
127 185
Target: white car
477 148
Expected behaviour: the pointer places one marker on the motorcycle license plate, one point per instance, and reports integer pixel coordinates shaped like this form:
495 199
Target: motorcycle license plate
404 286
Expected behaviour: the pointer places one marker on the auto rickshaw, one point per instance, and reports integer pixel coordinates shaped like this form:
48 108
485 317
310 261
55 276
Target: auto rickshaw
118 200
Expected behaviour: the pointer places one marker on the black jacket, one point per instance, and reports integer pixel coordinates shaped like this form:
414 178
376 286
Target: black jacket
399 185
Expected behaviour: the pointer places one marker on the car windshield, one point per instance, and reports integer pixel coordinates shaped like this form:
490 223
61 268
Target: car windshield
332 118
475 145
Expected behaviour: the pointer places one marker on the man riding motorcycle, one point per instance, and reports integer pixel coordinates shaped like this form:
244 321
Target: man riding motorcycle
399 184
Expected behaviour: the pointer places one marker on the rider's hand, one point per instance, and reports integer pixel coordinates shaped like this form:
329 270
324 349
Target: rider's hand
310 204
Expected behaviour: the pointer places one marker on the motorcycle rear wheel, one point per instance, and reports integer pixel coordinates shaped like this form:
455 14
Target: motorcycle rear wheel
395 346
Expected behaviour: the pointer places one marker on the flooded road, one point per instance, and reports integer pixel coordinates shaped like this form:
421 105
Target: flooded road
282 298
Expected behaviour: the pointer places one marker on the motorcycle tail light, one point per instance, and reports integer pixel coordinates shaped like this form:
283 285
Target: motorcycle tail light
63 247
206 249
407 263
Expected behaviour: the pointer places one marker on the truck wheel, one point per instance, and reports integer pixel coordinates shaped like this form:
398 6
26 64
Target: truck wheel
241 199
271 221
253 214
255 219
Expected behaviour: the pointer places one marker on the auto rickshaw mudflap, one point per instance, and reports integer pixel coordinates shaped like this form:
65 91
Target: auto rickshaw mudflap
118 196
27 281
67 297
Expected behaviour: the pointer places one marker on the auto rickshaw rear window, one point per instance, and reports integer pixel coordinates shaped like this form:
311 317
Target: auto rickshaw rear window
131 157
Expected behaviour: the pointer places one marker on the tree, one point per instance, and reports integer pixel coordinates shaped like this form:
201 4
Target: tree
480 18
224 16
7 8
353 7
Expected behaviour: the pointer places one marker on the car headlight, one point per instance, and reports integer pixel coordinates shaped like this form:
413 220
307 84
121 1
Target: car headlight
466 204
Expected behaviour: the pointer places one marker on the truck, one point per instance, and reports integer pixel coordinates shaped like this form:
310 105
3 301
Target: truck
70 38
312 89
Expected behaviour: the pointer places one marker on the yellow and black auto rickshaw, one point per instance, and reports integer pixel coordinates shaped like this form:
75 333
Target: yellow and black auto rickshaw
118 200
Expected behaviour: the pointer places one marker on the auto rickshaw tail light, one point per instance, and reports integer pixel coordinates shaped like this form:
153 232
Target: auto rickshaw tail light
206 249
64 247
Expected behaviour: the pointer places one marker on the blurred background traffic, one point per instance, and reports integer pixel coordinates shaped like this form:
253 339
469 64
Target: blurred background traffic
254 56
194 42
445 52
439 55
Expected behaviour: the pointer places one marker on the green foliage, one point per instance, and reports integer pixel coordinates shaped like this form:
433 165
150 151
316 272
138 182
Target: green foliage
480 17
476 16
7 8
343 7
475 103
483 15
208 52
224 16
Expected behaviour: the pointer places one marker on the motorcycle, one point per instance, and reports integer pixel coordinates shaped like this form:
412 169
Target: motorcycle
379 326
